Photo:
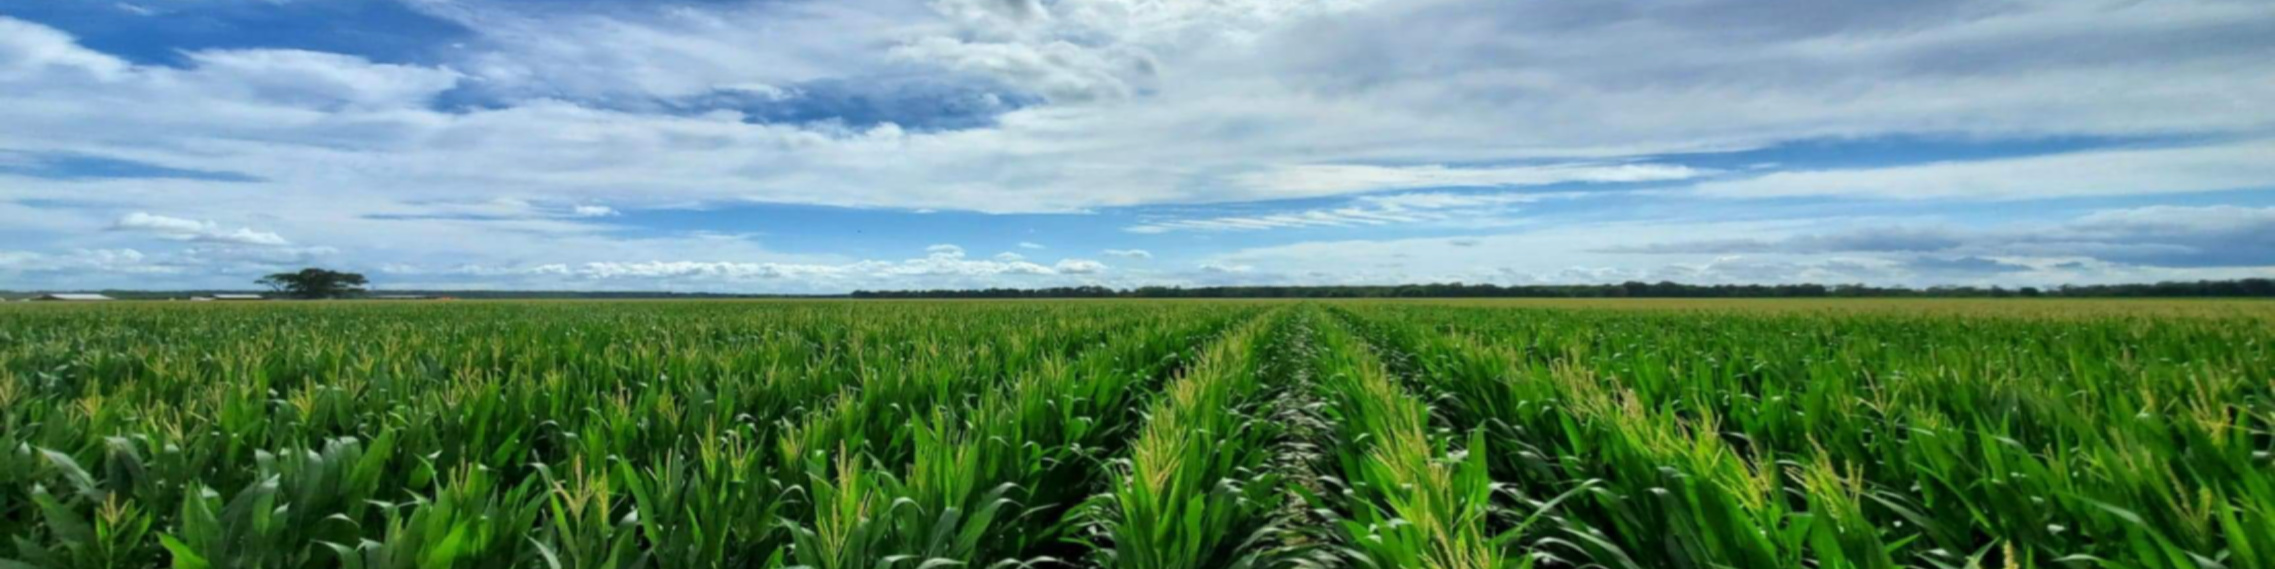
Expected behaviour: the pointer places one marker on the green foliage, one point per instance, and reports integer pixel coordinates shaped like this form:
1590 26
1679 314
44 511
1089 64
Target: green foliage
1832 438
315 283
1150 434
1192 493
1415 500
568 434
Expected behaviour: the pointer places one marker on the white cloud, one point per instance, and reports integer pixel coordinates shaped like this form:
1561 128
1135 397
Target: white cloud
1449 200
2114 245
30 50
2106 172
942 266
1339 217
627 54
1058 70
1130 102
316 80
2180 220
593 211
1008 256
1031 245
1253 100
78 268
225 259
1324 179
1078 267
1419 207
2160 236
1129 253
193 230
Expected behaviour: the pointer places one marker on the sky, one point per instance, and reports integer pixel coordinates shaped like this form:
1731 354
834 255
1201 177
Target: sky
824 146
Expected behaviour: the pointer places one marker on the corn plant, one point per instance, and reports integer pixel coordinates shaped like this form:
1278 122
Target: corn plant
1200 434
1193 492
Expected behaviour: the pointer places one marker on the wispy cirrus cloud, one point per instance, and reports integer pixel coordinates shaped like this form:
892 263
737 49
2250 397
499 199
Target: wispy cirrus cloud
2158 236
1328 179
2222 166
1408 208
179 229
943 264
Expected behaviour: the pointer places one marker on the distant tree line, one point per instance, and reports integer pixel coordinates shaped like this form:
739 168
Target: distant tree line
2224 288
1663 289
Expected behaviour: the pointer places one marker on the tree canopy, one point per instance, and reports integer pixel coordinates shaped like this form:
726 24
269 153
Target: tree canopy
313 282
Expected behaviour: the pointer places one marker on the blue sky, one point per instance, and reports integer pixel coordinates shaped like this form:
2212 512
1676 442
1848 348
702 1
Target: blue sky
812 146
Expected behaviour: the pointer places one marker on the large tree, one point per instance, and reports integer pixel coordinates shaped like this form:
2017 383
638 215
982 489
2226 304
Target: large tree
315 283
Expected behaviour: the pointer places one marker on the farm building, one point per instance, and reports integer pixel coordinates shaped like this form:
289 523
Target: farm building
73 297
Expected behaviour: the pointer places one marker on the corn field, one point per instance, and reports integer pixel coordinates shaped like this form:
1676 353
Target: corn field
1139 434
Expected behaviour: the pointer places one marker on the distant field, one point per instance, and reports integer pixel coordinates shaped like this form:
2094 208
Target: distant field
1145 434
2263 308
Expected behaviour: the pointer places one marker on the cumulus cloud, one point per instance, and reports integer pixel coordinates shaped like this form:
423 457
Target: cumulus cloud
28 50
643 54
1061 71
1083 106
1253 100
1030 245
1078 267
313 80
1129 253
592 211
194 230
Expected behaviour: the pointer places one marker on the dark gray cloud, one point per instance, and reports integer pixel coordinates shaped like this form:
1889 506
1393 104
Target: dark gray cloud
2159 236
1883 240
1891 239
1865 66
2169 236
66 166
918 102
1943 265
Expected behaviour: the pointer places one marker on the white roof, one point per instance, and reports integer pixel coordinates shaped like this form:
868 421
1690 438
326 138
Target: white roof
238 296
75 296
